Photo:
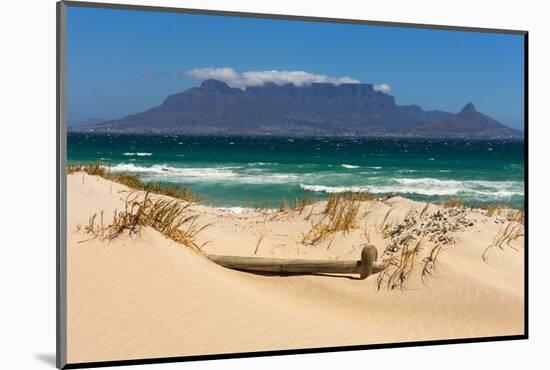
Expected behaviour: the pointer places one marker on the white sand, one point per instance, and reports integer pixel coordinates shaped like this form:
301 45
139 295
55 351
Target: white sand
149 297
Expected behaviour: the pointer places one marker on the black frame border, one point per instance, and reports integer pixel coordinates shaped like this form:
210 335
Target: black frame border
61 272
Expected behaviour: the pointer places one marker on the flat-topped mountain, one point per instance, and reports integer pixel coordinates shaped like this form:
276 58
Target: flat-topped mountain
315 109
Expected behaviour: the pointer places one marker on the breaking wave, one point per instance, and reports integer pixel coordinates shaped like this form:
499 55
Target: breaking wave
350 166
433 187
235 210
139 154
159 172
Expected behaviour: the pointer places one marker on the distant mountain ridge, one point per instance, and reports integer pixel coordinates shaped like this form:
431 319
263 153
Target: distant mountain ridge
468 121
316 109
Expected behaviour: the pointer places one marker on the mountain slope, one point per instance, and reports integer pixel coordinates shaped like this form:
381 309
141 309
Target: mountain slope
316 109
468 122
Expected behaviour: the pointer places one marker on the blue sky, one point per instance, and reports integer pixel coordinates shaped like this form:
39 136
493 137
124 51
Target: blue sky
123 61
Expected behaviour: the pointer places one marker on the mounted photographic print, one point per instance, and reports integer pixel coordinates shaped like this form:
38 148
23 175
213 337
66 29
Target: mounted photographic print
234 184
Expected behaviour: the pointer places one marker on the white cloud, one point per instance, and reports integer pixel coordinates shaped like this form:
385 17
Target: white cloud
298 78
258 78
227 75
383 88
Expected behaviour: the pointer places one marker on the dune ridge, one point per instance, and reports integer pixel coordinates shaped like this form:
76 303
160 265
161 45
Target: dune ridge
146 296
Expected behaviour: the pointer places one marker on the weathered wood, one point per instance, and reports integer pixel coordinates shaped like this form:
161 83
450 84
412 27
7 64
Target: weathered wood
369 254
365 267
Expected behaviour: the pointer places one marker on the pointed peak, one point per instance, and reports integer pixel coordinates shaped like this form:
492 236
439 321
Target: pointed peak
468 108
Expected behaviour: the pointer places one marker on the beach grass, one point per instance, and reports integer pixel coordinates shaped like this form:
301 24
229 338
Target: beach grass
453 203
429 262
296 204
283 206
512 231
181 192
492 209
517 215
339 215
389 196
299 204
386 224
399 268
166 216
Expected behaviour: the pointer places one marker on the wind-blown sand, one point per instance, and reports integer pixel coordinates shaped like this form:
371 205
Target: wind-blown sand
149 297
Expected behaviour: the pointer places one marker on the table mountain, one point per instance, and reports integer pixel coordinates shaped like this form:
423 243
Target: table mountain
316 109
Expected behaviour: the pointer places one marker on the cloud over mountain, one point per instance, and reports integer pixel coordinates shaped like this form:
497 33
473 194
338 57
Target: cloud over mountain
383 88
316 109
259 78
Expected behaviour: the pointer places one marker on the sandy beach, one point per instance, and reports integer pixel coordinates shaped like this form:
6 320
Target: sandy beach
146 296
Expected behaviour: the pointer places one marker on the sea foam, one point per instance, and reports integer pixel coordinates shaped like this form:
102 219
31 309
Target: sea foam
164 172
433 187
235 210
139 154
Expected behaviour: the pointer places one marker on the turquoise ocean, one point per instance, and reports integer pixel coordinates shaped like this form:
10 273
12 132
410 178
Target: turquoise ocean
230 171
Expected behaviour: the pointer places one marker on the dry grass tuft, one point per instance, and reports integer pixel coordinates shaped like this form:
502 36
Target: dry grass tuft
332 203
126 179
133 182
340 214
430 262
389 196
492 209
399 268
298 205
425 210
166 216
386 224
283 206
362 196
516 215
453 203
512 231
175 191
335 200
96 168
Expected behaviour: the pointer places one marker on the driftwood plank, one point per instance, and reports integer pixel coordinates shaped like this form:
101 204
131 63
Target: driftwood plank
365 267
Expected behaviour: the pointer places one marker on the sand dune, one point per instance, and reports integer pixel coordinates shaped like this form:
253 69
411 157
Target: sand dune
149 297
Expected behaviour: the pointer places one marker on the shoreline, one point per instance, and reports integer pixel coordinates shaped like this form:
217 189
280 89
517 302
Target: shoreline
82 131
319 192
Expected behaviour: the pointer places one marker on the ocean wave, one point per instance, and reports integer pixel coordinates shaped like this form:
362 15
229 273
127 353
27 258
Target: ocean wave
163 172
434 187
139 154
350 166
235 210
261 163
332 189
431 182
